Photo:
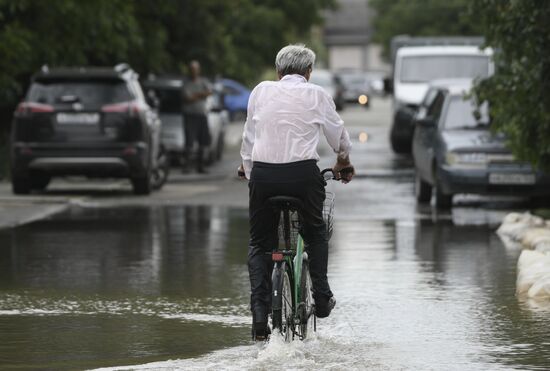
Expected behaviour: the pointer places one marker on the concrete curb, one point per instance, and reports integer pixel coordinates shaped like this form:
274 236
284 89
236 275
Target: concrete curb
28 213
531 234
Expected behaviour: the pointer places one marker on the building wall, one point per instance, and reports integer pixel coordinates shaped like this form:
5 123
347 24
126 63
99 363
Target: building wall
347 56
359 57
347 34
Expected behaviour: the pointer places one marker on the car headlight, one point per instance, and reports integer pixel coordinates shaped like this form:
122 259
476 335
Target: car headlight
476 160
363 99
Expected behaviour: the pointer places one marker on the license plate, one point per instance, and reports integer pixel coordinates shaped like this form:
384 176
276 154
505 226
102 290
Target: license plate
497 178
78 118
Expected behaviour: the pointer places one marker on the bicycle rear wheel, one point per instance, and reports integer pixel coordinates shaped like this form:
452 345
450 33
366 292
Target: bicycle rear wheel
282 312
307 310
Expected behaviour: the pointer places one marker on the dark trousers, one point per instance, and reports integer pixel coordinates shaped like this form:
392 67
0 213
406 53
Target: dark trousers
301 180
195 129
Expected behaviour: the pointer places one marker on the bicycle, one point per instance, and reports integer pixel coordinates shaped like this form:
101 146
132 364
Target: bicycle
292 305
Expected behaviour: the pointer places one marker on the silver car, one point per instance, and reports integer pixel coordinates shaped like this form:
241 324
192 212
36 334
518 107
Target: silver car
168 91
455 151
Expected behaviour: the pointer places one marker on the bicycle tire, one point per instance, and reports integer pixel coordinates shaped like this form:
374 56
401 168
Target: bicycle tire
307 310
282 311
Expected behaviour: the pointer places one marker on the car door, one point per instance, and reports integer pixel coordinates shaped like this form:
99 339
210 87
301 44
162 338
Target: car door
425 136
419 151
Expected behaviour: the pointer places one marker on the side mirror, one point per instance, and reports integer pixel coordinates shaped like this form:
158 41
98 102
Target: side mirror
426 122
388 85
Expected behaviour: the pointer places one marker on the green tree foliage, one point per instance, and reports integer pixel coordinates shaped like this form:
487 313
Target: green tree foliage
421 18
237 38
519 93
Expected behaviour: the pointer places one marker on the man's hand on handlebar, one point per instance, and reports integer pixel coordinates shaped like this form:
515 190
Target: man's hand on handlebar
343 170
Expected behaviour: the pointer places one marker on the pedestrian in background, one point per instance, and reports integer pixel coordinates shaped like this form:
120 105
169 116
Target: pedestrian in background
196 90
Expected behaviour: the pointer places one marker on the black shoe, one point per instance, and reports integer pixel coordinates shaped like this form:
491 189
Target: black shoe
324 305
260 331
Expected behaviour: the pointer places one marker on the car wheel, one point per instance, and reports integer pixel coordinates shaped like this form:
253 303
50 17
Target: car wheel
540 201
142 185
442 200
20 185
40 182
160 174
422 189
399 146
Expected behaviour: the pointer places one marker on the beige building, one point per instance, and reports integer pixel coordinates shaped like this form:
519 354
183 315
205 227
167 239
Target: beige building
347 35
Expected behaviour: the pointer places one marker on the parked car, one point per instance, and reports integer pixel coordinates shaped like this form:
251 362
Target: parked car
376 82
84 121
455 152
332 85
235 97
415 67
357 87
168 90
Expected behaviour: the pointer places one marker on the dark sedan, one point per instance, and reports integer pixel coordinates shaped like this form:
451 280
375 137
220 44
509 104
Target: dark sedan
455 152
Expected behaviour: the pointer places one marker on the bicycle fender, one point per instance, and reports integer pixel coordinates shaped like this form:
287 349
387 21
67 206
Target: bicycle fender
277 283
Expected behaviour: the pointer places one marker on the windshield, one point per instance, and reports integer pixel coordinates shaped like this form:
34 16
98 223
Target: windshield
321 79
464 114
427 68
170 100
354 80
87 93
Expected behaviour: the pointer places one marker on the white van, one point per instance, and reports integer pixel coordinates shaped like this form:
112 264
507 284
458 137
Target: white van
415 67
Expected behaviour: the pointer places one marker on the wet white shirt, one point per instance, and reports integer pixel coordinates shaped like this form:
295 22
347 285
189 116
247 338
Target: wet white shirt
284 122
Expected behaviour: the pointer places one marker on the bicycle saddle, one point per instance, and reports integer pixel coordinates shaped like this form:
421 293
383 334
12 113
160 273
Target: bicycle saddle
286 203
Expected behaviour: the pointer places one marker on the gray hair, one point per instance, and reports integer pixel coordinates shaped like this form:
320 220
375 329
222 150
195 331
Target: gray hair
294 59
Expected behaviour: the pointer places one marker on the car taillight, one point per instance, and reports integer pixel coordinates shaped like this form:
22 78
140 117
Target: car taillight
125 107
32 107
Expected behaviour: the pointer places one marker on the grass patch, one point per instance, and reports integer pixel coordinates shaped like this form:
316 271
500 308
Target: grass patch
543 213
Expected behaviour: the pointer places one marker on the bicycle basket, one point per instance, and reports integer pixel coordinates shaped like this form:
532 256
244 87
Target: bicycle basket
328 212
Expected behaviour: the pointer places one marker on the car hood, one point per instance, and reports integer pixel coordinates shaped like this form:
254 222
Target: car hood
410 93
474 140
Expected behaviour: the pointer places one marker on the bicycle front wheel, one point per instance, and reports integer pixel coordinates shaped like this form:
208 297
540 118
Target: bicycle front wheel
307 306
282 312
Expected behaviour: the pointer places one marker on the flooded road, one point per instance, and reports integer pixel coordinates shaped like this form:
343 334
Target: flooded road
102 287
163 285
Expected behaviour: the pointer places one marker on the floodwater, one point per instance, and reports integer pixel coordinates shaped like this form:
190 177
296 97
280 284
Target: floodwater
166 287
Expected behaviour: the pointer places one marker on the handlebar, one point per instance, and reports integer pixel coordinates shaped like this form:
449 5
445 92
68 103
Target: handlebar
345 170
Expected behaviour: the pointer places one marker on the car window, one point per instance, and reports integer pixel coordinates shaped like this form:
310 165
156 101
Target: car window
229 90
353 79
87 93
420 69
170 100
465 114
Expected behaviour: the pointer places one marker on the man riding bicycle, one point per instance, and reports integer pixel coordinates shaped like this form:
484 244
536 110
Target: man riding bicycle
279 154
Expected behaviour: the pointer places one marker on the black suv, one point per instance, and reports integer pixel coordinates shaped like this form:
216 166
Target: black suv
84 121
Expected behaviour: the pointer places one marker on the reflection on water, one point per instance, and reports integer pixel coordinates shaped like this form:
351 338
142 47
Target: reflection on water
112 287
116 285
